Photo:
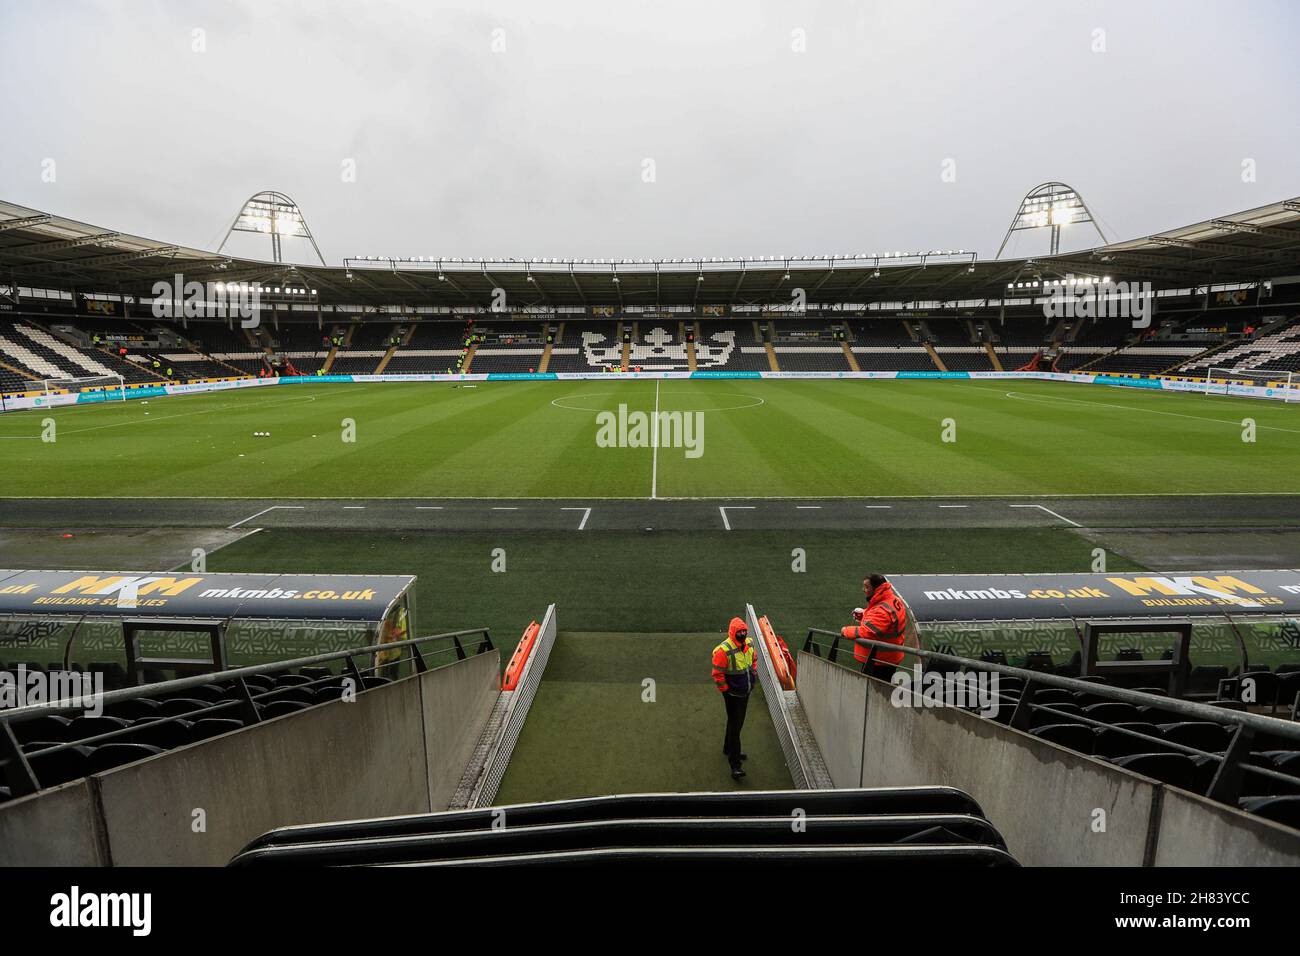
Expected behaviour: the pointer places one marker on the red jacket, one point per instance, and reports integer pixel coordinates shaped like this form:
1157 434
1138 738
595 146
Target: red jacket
885 619
738 679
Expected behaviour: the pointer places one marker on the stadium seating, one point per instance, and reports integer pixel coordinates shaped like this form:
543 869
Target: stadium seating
1275 350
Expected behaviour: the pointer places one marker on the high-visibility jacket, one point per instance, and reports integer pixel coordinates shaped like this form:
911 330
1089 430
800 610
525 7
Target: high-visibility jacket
735 668
884 619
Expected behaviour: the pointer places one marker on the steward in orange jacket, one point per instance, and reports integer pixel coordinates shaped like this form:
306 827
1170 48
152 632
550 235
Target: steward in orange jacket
735 674
883 619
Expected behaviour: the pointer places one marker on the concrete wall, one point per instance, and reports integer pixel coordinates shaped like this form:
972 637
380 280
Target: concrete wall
1043 798
835 701
394 750
456 705
59 827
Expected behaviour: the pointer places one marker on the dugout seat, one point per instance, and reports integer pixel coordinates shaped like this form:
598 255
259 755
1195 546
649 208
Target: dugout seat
58 767
182 707
278 708
1113 742
1111 712
213 727
1201 734
84 727
167 734
1060 713
45 727
1177 770
1053 695
138 708
1075 736
1284 810
108 756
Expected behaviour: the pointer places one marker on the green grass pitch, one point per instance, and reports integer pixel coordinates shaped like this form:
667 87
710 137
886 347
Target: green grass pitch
761 438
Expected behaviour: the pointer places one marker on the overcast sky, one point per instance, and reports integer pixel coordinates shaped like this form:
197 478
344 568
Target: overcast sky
646 129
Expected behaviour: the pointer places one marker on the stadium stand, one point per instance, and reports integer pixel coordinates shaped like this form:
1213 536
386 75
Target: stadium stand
1273 349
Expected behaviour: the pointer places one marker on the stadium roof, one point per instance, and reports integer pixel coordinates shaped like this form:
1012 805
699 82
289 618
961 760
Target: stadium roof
41 250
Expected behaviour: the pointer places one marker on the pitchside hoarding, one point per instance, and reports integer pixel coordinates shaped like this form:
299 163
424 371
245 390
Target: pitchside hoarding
360 598
938 598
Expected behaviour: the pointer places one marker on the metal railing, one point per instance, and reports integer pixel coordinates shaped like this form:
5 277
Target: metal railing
23 780
1244 726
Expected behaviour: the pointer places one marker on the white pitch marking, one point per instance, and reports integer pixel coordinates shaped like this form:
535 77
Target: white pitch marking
1050 512
586 513
807 507
428 507
354 507
954 506
264 511
505 509
722 510
886 507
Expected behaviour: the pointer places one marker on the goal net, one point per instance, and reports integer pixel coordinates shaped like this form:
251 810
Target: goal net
1236 381
112 387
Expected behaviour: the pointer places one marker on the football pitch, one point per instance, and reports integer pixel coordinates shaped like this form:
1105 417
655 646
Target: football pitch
732 438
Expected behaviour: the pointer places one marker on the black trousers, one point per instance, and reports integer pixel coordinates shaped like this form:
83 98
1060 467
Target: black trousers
735 720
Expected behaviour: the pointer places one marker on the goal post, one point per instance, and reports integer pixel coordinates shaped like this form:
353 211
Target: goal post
113 387
1232 381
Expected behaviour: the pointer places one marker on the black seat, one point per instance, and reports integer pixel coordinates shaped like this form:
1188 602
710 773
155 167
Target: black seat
1204 678
108 756
213 727
301 695
1059 714
58 767
328 692
1075 736
1112 742
45 727
371 681
182 706
1177 770
1201 734
278 708
1039 661
314 673
1264 692
213 693
167 734
83 727
1111 712
1053 695
1284 810
1288 685
291 680
138 708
